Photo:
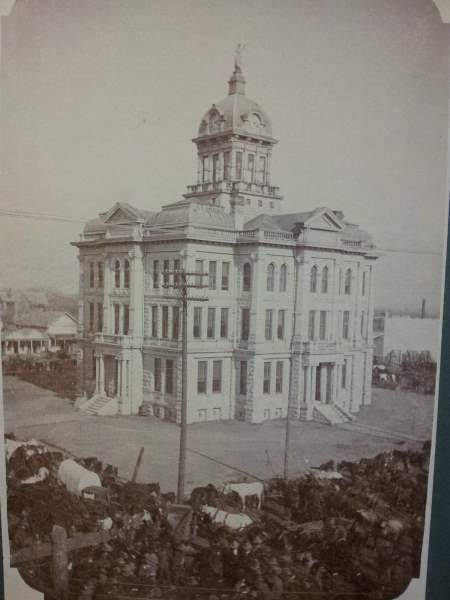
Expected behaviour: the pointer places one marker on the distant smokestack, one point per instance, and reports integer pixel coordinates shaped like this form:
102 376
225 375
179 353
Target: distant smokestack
423 308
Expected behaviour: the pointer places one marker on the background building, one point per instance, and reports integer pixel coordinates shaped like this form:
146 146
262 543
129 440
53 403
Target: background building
290 296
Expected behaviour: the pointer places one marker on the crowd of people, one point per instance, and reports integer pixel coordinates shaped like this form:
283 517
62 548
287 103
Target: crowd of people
346 531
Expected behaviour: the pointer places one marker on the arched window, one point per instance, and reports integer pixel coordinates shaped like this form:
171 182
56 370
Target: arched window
283 278
313 281
126 272
270 277
247 278
117 273
348 282
324 282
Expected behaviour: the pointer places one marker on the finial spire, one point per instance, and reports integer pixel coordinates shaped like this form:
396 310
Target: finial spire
236 84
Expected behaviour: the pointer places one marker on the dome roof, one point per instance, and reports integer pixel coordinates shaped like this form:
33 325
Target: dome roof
236 112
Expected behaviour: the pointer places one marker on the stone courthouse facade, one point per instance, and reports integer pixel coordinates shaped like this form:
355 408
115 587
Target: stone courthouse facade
289 310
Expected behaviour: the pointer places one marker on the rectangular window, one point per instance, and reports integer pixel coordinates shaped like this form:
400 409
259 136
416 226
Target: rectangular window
211 328
166 276
224 312
100 274
91 275
311 324
279 377
323 325
226 165
100 316
116 319
364 275
198 269
176 275
157 374
243 378
126 319
165 322
245 323
262 169
91 316
362 324
202 376
225 275
175 322
344 374
281 324
251 167
156 273
169 377
238 165
217 376
154 321
205 174
197 330
268 325
215 173
345 324
212 274
266 379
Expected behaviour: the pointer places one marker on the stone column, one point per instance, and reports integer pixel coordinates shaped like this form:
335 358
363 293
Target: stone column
106 292
101 374
356 334
313 383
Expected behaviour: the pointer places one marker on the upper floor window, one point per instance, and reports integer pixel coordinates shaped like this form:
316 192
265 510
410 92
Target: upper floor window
116 319
224 312
346 324
245 323
166 275
91 316
269 324
243 378
251 166
283 278
323 325
225 275
126 274
348 282
364 282
238 165
262 170
154 321
281 323
247 277
100 316
211 325
156 274
176 275
126 319
311 325
117 273
270 277
205 174
197 329
91 275
212 274
100 274
165 322
226 165
215 171
313 280
199 270
324 281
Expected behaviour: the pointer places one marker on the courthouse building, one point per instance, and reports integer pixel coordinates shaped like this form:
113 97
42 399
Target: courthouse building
289 310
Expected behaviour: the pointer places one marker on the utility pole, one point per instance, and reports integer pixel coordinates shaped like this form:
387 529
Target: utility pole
181 284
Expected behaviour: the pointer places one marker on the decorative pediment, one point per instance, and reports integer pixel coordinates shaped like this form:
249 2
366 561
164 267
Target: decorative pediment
325 220
122 213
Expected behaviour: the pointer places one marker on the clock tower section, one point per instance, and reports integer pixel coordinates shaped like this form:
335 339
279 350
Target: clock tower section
234 147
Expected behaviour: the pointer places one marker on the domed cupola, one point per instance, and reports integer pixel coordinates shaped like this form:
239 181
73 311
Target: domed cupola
234 145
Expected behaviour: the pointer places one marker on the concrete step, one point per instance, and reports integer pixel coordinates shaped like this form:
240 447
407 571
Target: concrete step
329 414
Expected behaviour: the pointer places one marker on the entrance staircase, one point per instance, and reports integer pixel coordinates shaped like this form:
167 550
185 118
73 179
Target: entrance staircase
100 405
145 409
331 414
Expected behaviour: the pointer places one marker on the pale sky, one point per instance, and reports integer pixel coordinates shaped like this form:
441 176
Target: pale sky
100 99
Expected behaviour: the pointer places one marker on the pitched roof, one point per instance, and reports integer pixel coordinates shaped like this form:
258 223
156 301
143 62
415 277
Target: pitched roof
41 318
38 298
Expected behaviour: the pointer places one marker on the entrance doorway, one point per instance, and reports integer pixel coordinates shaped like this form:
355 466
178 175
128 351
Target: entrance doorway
111 376
324 374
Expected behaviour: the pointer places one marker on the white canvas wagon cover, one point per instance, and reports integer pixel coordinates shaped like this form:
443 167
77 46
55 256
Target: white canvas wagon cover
75 477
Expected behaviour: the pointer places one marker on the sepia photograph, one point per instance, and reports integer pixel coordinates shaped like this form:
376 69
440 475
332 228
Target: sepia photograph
222 252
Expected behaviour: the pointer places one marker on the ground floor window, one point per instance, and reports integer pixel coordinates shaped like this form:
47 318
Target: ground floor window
266 379
202 376
217 376
157 374
169 377
243 378
279 377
